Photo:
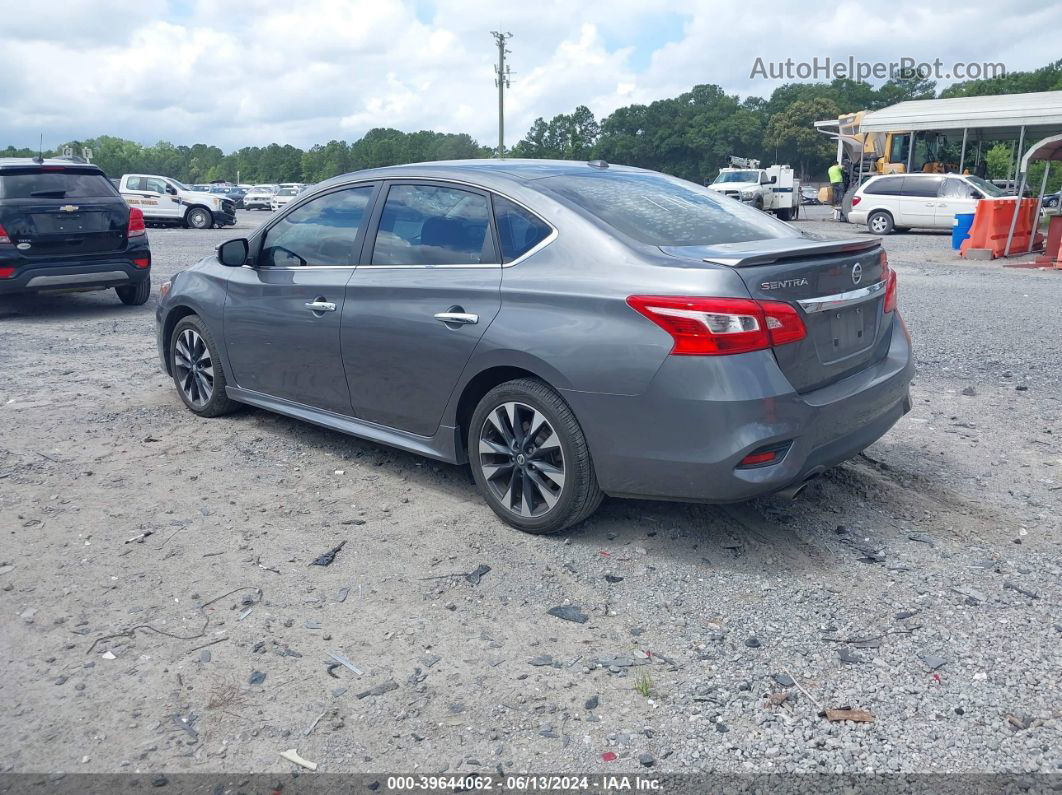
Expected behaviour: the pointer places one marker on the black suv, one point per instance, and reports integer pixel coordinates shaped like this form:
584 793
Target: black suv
64 226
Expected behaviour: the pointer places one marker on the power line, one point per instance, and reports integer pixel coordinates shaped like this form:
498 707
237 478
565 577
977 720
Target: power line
501 80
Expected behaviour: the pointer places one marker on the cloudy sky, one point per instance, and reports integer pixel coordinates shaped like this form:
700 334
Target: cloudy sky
306 71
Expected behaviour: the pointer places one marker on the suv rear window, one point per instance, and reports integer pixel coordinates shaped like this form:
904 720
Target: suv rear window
886 186
665 211
64 184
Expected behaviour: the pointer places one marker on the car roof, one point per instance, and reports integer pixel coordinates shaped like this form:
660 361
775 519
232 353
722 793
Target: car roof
520 171
23 162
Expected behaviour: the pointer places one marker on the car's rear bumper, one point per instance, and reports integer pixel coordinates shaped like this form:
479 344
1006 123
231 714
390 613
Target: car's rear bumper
62 275
857 217
684 438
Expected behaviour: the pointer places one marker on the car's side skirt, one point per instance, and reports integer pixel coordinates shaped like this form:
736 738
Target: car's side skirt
443 446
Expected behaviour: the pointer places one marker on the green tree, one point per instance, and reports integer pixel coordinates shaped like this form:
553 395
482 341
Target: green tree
793 135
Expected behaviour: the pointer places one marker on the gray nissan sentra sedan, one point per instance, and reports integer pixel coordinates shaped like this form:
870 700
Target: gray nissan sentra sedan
568 329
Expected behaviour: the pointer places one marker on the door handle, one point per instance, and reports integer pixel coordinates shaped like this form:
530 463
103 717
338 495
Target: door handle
458 318
320 305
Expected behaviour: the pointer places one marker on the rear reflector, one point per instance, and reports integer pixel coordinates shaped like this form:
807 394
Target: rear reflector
143 262
765 456
136 222
717 326
3 235
7 273
752 459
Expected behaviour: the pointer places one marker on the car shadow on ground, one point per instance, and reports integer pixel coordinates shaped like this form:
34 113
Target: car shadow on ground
96 305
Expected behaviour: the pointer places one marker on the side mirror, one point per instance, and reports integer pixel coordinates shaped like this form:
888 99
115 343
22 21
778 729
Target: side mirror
976 194
773 180
233 253
171 190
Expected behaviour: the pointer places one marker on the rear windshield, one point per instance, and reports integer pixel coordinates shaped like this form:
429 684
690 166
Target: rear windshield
665 211
66 184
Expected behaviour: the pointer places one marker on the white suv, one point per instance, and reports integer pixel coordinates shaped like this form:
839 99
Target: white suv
930 201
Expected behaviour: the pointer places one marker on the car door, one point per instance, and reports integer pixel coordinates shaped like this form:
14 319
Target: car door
428 286
956 196
283 311
918 201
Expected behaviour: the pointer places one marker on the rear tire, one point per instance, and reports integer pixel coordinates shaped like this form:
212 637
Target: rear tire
135 294
880 223
197 370
199 218
530 459
785 214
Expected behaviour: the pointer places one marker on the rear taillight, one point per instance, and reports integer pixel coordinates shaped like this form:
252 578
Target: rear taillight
136 222
888 275
7 273
142 262
856 200
717 326
3 235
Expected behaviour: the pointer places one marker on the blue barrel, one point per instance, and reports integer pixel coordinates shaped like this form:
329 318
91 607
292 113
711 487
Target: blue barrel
960 229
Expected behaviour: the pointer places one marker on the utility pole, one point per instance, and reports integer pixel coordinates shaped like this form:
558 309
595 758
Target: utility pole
501 80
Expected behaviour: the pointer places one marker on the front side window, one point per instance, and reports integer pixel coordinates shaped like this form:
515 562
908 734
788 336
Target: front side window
519 231
320 232
956 189
664 211
433 225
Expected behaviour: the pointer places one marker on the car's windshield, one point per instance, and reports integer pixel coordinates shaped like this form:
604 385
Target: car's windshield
287 191
665 211
737 176
179 185
986 187
61 184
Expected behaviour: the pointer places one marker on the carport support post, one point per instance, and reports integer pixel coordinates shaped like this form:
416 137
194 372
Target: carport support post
910 153
962 154
1014 218
1039 204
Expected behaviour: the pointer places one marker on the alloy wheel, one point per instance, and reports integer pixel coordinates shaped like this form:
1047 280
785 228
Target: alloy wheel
521 459
194 368
878 223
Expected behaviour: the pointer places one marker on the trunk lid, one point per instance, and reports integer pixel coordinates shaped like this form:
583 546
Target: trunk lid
65 229
837 284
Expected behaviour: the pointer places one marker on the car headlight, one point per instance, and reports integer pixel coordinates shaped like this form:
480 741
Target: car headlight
748 194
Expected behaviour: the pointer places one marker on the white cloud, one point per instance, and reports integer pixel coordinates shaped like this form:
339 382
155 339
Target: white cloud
257 71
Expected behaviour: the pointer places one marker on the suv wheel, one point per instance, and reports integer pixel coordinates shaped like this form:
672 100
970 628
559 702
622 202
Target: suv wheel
530 459
197 370
135 294
199 218
880 222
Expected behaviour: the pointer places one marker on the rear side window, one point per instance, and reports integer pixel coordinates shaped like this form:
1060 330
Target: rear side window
320 232
432 225
886 186
922 186
518 230
66 184
664 211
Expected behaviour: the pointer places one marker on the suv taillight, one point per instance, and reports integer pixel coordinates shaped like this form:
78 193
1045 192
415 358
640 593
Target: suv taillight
3 235
136 222
888 275
856 200
718 326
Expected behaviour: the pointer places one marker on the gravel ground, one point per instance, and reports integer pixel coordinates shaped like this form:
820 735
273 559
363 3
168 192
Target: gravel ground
919 582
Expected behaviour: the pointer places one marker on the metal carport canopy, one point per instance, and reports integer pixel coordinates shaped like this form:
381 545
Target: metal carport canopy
1047 149
997 118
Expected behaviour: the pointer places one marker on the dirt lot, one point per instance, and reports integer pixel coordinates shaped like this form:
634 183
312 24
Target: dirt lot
919 582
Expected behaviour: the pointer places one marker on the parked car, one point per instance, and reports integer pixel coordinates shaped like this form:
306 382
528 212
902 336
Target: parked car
165 200
260 197
64 226
232 191
904 201
1053 200
569 329
809 195
282 198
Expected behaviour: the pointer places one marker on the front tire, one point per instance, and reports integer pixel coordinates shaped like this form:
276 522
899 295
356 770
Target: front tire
530 459
135 294
199 218
197 370
880 223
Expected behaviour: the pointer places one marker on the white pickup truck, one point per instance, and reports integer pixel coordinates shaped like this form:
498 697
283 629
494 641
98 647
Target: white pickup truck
165 200
772 189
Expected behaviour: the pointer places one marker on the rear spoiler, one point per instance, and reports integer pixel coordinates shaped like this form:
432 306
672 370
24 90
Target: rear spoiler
764 252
